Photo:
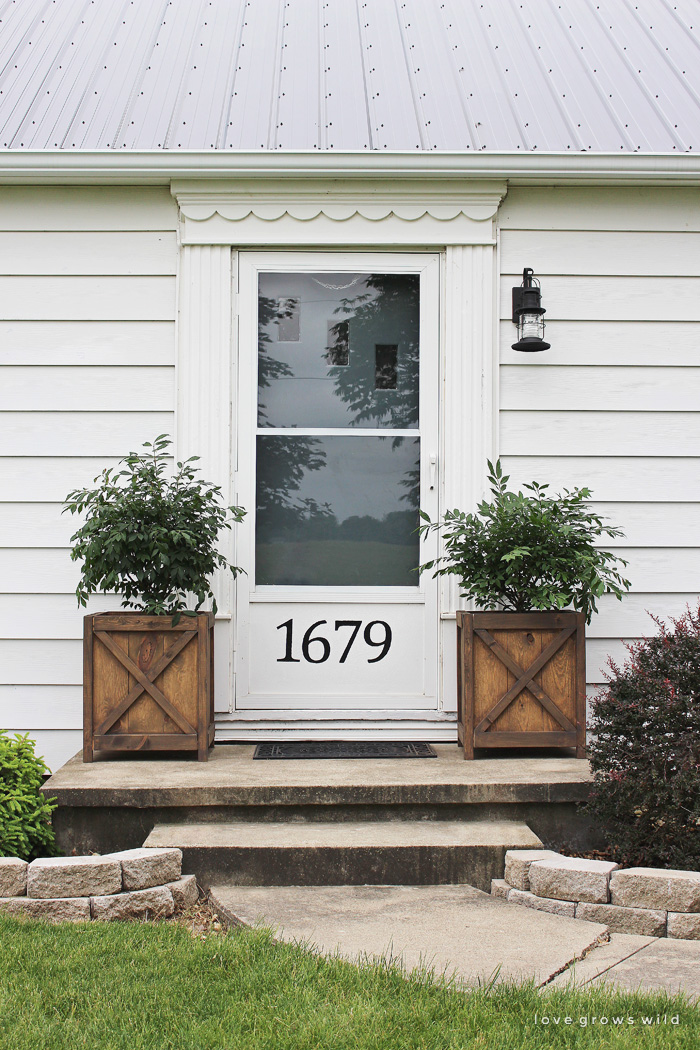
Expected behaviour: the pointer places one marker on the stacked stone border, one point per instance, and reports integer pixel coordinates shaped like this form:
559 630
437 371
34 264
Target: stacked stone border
654 902
133 884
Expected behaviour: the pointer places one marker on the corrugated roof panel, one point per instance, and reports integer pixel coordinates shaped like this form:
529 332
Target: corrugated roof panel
437 97
95 107
343 85
556 75
199 111
393 123
253 107
299 103
661 61
156 111
478 69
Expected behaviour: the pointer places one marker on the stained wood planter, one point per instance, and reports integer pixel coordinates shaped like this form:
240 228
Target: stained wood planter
148 686
521 680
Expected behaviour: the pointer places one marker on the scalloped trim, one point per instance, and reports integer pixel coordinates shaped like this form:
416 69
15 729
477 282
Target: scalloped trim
201 211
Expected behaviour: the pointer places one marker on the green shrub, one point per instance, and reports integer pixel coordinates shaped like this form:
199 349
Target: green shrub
150 536
25 814
529 550
646 751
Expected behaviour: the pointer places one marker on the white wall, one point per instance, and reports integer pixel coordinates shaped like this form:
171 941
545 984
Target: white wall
614 404
87 363
87 373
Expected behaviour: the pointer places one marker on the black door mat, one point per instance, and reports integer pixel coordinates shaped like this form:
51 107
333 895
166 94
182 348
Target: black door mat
343 749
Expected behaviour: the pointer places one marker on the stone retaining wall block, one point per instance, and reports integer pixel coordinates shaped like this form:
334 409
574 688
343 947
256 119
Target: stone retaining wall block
518 863
556 907
53 909
683 926
143 868
184 891
677 891
154 903
13 877
625 920
572 879
50 877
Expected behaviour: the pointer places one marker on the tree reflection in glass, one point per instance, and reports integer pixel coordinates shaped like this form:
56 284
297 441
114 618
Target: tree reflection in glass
341 509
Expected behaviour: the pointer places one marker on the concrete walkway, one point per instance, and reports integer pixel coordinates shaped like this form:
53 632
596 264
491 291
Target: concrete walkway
463 932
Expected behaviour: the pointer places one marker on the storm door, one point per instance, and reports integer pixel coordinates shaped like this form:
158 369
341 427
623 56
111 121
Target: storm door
337 450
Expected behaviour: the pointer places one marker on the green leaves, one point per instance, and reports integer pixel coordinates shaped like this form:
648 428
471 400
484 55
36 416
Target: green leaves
529 550
25 815
149 536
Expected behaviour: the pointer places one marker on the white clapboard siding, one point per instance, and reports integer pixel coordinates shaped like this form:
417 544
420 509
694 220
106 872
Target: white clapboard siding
600 433
40 570
598 651
615 208
55 746
594 343
41 615
88 252
122 343
42 707
87 298
45 480
611 298
97 208
651 524
77 433
36 525
658 569
613 479
630 618
609 389
84 388
40 662
595 252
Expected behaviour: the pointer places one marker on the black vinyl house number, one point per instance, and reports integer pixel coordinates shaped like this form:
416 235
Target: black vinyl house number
316 648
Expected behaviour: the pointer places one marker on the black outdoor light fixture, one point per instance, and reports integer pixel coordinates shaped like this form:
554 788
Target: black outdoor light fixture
528 314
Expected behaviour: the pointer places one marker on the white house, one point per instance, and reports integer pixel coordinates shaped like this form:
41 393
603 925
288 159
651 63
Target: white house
365 181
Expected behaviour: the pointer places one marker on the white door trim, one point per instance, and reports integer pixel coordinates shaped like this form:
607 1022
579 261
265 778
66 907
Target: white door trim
206 363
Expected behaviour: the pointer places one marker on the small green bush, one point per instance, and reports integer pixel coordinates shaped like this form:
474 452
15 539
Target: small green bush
646 751
149 535
25 814
525 551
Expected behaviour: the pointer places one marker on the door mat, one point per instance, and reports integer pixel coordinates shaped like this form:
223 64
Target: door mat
344 749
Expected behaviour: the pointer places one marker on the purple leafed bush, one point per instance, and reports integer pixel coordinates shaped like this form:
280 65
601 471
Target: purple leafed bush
646 751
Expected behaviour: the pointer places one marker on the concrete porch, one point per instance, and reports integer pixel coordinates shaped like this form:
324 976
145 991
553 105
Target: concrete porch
215 809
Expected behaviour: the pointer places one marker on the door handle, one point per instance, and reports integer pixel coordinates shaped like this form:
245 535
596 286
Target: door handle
432 470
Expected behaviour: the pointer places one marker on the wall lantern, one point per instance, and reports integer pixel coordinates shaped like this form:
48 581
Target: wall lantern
528 314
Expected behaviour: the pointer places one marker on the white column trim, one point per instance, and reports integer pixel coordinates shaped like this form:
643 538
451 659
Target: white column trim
470 394
204 375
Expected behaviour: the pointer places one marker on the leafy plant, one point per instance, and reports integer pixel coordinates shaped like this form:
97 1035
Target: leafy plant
151 536
25 815
645 752
525 551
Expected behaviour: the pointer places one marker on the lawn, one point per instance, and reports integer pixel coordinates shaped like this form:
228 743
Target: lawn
137 986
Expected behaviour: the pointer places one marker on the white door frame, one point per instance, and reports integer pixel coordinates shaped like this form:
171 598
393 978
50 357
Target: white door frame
346 704
455 217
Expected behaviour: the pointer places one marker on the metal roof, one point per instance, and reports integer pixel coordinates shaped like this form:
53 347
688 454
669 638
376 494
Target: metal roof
344 75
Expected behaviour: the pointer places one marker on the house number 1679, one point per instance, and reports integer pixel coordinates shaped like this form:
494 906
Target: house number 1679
316 649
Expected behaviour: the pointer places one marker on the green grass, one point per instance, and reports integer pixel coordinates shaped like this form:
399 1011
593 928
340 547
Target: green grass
136 986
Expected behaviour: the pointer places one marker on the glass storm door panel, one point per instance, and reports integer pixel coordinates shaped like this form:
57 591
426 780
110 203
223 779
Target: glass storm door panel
337 453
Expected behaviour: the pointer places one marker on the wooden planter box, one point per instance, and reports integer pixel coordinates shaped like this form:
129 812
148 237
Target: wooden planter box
521 680
148 686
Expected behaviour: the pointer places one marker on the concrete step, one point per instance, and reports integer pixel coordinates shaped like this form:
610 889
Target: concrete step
348 853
